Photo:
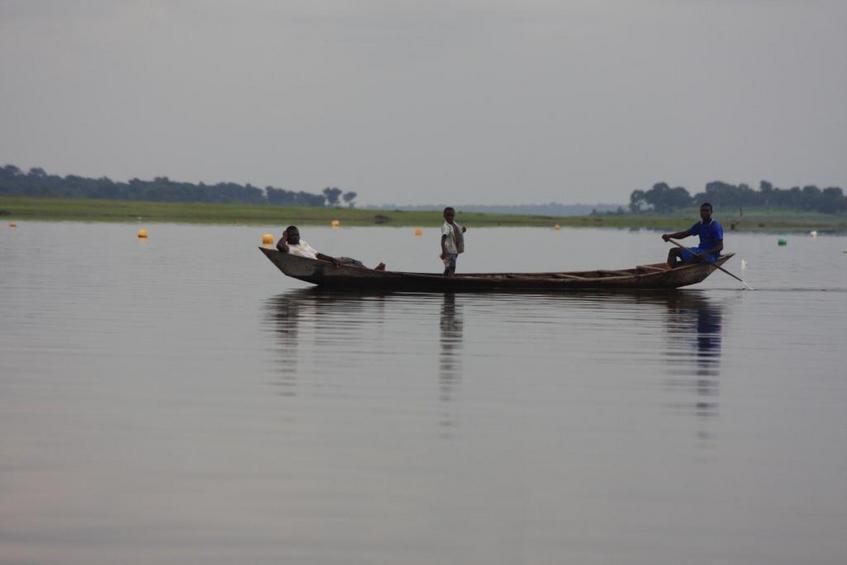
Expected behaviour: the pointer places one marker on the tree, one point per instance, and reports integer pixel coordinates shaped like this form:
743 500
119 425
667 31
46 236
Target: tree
661 198
832 200
766 189
11 171
637 202
331 195
811 197
349 197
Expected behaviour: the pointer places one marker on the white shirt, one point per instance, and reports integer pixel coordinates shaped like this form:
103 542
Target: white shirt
448 230
303 249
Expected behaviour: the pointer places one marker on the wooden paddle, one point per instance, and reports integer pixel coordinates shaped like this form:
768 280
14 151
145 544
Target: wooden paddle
681 246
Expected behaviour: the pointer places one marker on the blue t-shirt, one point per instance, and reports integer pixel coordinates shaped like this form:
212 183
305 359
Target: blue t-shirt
710 234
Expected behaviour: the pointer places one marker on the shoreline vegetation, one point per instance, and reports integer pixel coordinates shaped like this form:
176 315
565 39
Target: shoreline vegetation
98 210
39 195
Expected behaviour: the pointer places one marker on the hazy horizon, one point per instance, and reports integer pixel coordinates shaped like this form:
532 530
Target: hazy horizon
499 102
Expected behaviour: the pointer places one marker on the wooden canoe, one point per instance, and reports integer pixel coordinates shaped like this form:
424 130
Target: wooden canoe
644 277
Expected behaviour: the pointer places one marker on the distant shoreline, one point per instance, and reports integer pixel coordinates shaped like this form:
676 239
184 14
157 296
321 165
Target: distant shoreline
96 210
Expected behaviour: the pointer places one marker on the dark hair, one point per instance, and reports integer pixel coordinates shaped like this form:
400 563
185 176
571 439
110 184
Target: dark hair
449 209
289 228
707 205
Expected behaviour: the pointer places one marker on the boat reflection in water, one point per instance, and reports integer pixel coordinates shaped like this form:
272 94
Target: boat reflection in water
343 344
324 336
284 314
312 328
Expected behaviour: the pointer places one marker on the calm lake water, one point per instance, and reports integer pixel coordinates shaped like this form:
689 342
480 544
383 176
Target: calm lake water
180 401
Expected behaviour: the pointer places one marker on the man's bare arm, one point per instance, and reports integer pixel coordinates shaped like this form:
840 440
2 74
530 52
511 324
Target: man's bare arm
282 244
676 235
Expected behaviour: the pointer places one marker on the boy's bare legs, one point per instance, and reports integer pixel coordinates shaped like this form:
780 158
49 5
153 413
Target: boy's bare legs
450 265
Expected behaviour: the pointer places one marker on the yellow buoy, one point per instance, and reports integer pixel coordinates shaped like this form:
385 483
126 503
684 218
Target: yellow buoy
13 225
418 232
267 239
336 223
142 233
557 227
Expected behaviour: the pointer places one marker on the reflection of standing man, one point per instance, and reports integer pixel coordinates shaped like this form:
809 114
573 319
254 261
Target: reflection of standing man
450 366
452 241
451 340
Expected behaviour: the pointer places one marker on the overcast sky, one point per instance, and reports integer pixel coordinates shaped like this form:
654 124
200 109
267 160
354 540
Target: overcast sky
490 101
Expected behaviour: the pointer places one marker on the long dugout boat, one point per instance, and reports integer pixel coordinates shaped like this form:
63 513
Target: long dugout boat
643 277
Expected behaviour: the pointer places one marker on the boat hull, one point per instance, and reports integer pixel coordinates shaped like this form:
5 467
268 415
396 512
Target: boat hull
645 277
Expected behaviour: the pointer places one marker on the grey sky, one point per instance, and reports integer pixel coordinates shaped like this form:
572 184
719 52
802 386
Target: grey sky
493 101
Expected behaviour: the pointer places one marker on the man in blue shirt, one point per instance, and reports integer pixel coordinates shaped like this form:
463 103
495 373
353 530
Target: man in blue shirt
711 240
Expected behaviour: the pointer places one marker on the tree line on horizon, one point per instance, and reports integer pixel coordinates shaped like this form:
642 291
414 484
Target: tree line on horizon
662 198
37 182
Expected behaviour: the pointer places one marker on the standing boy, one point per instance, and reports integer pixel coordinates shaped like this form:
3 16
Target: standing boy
452 241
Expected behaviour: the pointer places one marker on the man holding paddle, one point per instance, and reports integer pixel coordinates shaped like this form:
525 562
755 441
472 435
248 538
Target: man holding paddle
711 240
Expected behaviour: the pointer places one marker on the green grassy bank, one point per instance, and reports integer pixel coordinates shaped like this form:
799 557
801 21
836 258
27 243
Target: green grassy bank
94 210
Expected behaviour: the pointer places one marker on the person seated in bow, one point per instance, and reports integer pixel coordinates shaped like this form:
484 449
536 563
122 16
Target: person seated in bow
290 242
711 240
